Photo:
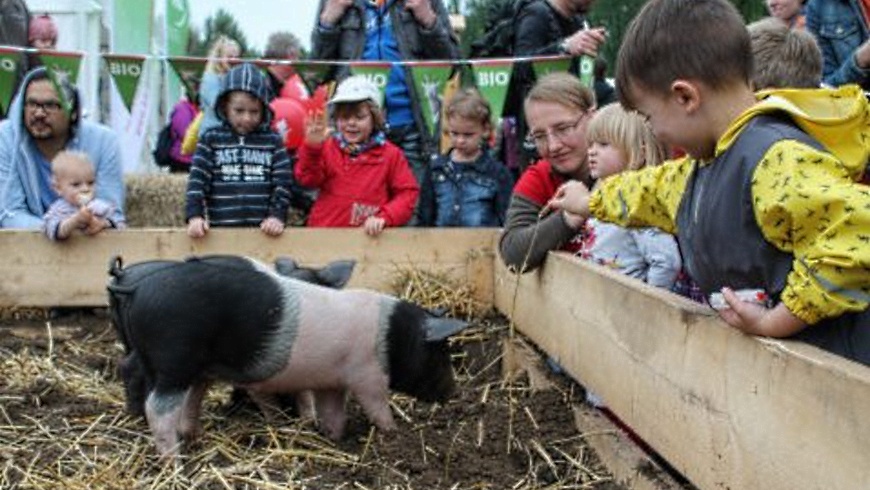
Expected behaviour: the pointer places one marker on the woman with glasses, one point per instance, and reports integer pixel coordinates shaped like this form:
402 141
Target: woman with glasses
557 110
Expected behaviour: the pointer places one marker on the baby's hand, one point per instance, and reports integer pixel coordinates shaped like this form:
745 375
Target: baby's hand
272 226
316 130
96 225
197 227
374 226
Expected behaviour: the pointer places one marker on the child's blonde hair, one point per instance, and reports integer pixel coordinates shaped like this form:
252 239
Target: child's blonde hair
469 104
628 131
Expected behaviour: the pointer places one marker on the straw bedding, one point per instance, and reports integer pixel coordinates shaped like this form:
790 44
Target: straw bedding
511 425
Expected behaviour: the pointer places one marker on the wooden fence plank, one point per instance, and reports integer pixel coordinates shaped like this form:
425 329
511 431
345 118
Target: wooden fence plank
37 272
728 410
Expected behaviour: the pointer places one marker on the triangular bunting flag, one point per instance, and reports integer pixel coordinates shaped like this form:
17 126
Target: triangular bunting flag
377 72
429 81
126 70
189 70
312 73
10 59
62 66
493 79
549 64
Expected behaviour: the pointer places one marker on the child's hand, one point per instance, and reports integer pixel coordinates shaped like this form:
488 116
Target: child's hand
272 226
573 197
197 227
316 130
374 226
755 319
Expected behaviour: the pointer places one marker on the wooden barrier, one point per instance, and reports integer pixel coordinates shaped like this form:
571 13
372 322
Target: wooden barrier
37 272
727 410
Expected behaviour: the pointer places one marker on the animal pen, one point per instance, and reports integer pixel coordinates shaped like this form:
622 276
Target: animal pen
725 410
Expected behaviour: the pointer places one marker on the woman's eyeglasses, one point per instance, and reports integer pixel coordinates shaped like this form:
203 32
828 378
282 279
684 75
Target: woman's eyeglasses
559 132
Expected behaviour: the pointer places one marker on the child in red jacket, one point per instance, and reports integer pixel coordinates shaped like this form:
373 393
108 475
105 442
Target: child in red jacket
362 179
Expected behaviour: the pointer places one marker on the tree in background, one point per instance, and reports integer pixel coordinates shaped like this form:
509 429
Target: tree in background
615 15
221 23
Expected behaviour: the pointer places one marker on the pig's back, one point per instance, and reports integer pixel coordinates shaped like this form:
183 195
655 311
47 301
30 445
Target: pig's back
340 334
216 315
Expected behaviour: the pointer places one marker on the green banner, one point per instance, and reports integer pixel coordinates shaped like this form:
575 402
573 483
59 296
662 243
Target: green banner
177 32
429 82
312 73
131 26
62 67
547 65
378 73
189 70
126 70
493 79
9 61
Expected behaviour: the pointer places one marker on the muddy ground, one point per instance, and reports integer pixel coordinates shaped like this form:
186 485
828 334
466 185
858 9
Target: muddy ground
511 425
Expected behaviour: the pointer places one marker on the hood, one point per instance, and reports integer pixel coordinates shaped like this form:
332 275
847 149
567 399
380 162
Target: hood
247 78
16 108
838 118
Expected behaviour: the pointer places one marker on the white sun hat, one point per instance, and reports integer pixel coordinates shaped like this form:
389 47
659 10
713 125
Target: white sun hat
357 88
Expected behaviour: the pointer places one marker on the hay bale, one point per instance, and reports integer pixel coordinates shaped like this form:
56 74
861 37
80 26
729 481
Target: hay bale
155 200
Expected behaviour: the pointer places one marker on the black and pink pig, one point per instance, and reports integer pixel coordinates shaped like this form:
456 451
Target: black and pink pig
236 320
137 385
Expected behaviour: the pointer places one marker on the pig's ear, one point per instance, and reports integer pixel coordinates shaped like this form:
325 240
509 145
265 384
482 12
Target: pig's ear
438 329
337 273
285 266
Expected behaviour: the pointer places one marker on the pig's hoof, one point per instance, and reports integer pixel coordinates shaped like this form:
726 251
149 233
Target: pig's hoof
192 433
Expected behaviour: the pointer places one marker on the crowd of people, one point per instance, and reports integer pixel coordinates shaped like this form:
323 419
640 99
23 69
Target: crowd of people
737 164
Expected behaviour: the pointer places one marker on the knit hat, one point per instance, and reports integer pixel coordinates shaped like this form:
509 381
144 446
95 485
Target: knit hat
42 27
357 88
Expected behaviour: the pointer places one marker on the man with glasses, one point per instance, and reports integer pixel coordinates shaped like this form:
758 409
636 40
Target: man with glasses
557 109
39 127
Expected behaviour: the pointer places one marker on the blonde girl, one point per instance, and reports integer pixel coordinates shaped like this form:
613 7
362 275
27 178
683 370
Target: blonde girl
620 141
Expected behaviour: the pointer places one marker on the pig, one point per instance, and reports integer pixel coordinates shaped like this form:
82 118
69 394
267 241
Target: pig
234 319
136 383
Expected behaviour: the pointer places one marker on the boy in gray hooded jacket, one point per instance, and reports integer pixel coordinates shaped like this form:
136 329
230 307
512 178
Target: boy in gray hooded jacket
241 174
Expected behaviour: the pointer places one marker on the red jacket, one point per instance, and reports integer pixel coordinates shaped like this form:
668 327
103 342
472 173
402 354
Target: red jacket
377 182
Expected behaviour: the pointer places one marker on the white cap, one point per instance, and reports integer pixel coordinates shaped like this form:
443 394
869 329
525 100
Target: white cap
357 88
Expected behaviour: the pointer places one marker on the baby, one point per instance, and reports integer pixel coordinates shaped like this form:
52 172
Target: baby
73 179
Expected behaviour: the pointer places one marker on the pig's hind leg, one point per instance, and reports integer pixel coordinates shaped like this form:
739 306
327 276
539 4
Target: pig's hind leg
163 411
189 425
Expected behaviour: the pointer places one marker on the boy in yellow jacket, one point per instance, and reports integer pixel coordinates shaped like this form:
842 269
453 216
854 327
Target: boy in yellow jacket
767 197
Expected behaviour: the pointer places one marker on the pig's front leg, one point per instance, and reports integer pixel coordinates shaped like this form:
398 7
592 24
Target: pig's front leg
330 409
163 411
374 399
189 426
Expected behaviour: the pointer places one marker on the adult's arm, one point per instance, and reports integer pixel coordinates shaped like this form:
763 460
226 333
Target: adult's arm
525 240
13 206
438 41
837 72
324 38
533 32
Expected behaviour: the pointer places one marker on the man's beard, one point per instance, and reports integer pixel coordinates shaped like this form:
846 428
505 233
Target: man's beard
45 131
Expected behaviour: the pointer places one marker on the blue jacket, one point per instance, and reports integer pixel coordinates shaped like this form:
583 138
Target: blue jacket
468 194
839 28
21 187
347 41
